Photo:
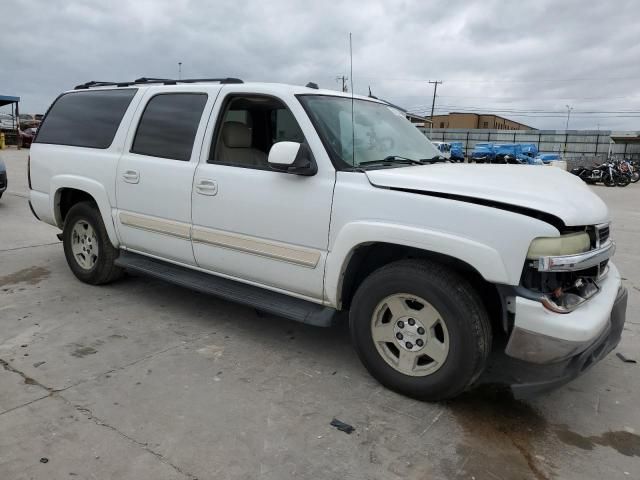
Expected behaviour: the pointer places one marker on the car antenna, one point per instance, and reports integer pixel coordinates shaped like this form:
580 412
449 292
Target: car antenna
353 129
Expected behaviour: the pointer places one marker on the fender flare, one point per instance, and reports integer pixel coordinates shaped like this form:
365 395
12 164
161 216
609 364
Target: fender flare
91 187
485 259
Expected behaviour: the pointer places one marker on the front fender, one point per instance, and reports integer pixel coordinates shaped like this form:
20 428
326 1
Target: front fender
93 188
485 259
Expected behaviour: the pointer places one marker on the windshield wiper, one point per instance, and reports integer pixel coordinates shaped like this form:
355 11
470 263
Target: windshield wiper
436 159
392 159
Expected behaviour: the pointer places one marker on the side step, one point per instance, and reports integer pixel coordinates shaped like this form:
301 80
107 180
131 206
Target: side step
259 298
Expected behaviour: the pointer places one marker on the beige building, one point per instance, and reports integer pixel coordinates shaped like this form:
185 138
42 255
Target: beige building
477 120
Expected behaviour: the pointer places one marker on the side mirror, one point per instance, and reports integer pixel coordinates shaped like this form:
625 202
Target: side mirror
292 157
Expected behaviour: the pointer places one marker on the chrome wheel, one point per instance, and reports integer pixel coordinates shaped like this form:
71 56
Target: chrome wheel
84 244
410 334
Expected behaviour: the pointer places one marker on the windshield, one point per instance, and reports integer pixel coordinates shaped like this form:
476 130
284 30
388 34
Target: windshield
379 131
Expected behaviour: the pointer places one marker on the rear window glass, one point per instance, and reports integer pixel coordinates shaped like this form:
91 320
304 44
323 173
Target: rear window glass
169 124
85 119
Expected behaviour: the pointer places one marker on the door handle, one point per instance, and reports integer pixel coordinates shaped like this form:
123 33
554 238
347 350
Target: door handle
131 176
207 187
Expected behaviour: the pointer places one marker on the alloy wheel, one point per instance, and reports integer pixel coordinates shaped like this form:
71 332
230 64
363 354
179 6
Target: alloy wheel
84 244
410 334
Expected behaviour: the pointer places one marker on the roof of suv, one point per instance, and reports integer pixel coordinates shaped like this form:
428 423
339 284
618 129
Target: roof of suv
188 84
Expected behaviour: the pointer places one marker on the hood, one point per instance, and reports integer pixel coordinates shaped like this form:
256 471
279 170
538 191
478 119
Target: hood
546 189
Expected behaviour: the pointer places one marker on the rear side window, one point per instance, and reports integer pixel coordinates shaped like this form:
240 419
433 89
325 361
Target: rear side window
169 124
85 119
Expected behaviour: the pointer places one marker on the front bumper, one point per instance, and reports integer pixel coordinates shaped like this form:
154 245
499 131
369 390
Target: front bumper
528 379
543 336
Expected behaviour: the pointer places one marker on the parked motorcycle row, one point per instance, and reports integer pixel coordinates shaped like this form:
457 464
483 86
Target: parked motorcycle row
614 172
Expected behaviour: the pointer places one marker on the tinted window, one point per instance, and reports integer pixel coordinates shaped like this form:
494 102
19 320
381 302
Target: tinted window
85 119
168 125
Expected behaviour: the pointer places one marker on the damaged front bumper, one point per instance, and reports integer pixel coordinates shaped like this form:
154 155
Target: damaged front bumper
543 335
547 349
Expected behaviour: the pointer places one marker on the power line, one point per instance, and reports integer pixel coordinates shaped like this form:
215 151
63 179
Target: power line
537 80
460 108
510 97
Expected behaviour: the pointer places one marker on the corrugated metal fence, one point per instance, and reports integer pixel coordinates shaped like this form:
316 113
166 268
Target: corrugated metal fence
576 146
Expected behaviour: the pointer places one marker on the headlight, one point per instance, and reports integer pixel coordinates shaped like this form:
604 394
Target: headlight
570 244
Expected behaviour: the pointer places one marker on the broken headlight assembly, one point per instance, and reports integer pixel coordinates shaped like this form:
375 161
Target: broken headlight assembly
565 269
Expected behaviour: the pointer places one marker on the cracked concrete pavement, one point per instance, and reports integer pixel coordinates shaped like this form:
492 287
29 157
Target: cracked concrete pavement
144 380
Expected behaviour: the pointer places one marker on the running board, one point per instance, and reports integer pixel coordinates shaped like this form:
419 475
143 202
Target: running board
256 297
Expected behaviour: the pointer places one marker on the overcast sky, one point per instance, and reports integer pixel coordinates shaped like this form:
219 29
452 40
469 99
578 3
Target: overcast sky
520 57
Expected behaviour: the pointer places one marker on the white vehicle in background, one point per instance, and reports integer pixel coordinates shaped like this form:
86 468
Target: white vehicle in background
553 160
444 148
304 203
7 122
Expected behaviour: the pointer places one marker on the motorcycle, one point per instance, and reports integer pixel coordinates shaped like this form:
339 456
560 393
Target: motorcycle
630 168
607 173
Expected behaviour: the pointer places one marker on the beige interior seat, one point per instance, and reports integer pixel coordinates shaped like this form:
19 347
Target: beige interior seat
236 149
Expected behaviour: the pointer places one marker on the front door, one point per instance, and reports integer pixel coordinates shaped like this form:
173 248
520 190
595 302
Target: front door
155 173
250 222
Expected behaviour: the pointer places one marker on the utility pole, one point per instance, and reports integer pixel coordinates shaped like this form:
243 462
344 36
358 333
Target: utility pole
343 79
569 108
433 104
179 70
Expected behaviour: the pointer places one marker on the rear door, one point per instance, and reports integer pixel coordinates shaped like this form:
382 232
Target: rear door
155 172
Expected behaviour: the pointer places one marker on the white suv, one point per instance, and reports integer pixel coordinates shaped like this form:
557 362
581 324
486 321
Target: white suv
305 202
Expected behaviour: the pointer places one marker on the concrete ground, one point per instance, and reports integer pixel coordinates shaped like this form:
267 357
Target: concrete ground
145 380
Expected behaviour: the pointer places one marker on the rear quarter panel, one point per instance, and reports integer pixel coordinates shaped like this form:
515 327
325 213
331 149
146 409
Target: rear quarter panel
92 170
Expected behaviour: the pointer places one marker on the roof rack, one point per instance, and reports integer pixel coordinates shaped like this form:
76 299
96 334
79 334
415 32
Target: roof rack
147 80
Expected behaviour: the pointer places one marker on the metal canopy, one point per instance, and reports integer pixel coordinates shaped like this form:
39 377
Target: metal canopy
7 99
625 137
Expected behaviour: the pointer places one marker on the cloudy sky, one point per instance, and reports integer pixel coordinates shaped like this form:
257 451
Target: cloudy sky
523 59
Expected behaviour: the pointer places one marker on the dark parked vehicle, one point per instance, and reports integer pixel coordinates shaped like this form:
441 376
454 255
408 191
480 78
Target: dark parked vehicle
3 177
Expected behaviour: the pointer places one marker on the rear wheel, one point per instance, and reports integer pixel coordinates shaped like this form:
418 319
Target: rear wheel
420 329
87 247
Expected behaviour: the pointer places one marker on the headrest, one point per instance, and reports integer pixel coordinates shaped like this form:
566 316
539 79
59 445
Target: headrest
236 135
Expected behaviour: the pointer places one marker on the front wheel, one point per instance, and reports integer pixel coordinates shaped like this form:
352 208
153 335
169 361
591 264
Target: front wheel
87 247
608 181
635 176
623 180
420 329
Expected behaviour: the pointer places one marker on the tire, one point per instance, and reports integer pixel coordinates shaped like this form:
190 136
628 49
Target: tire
462 328
622 180
608 181
635 176
90 256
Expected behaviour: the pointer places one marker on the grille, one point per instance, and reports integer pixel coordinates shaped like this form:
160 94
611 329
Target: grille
602 233
3 179
598 234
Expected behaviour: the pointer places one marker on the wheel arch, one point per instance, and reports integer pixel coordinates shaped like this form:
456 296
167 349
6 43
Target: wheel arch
366 258
69 190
